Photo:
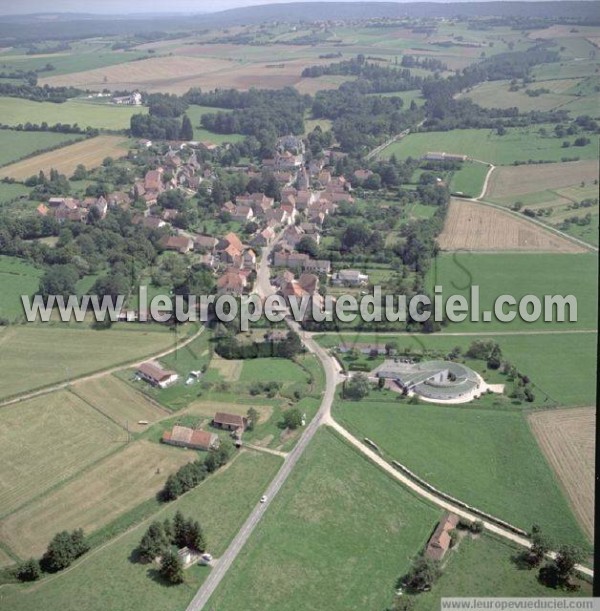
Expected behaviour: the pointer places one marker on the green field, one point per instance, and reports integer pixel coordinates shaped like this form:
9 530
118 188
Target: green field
547 359
518 144
469 179
483 567
15 145
83 112
519 275
107 578
46 440
487 458
587 233
17 277
264 370
338 536
11 191
62 353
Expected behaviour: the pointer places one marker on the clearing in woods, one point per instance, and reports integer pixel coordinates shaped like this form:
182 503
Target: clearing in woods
90 153
567 440
119 402
46 440
94 498
476 227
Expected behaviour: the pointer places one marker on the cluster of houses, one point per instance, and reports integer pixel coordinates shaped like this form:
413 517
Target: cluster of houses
72 209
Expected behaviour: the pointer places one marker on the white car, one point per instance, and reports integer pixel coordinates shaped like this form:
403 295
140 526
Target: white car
263 498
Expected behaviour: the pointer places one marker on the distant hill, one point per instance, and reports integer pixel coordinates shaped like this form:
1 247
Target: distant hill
26 28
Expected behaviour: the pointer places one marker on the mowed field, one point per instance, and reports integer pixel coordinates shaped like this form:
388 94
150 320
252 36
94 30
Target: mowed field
90 153
108 578
519 274
17 277
567 439
518 144
487 458
46 440
94 498
15 145
337 536
509 184
476 227
119 402
85 113
62 353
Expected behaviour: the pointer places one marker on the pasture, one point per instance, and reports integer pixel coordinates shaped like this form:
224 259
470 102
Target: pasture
61 354
484 567
119 402
91 152
15 145
469 179
517 144
47 440
336 537
567 440
110 578
93 498
471 226
83 112
17 277
487 458
519 275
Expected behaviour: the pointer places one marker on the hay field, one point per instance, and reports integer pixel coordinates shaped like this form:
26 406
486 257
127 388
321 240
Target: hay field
94 498
61 353
512 182
476 227
178 73
119 402
90 153
567 440
46 440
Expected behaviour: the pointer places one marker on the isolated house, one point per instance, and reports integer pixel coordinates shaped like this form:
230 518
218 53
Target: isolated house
440 541
154 374
229 422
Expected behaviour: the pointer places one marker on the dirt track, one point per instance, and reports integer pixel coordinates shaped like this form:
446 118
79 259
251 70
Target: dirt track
567 439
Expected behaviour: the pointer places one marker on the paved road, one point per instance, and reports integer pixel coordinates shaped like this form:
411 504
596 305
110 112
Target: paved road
226 560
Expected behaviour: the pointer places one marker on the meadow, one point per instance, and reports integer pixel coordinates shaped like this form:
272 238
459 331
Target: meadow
484 567
109 577
85 113
47 440
90 152
61 354
15 145
487 458
548 359
17 277
337 536
469 179
517 144
94 498
519 275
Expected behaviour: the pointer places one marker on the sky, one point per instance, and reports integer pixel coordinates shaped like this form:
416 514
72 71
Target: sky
114 7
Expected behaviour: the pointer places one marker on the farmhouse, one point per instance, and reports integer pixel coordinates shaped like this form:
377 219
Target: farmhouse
194 439
155 375
349 277
134 99
440 541
229 422
179 243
